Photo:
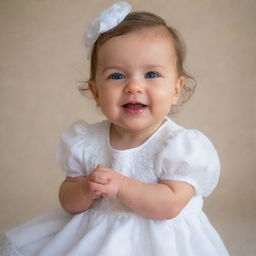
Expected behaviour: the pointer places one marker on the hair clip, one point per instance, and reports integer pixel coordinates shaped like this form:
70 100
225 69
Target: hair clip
106 20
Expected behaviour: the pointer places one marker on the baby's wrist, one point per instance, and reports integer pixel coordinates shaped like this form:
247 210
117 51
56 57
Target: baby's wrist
86 191
123 185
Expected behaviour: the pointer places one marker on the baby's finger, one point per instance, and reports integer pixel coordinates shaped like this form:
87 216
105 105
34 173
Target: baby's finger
95 189
98 194
99 177
74 179
100 166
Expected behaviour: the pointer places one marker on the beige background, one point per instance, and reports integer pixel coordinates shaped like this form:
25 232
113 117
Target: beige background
42 58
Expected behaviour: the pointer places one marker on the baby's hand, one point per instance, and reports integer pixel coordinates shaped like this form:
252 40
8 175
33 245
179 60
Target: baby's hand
107 179
88 188
99 175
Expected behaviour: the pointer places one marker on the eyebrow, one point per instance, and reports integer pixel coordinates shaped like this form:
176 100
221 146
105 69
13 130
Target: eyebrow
155 66
111 67
152 66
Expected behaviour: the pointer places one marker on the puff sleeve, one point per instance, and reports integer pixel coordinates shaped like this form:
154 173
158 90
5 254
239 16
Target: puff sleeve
70 149
189 156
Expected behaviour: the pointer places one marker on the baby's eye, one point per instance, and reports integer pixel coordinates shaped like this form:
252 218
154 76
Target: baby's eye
116 76
151 74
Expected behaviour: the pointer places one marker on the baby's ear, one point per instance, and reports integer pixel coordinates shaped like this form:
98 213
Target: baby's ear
94 90
178 88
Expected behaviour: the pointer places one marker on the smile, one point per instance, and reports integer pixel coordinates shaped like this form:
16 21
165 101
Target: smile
134 108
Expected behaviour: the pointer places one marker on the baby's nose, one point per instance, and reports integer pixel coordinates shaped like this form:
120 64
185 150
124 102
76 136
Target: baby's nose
134 86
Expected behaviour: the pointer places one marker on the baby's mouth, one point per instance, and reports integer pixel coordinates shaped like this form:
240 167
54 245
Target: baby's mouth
134 106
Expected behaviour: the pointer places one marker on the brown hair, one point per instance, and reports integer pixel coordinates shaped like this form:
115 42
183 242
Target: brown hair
135 21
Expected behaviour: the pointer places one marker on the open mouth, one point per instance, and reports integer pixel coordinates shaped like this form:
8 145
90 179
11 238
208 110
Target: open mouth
134 108
134 105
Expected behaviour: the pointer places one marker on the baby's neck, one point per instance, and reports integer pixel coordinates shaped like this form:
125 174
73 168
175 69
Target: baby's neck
124 139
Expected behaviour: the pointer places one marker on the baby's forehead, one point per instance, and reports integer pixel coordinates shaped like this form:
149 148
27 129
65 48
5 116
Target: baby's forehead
154 31
137 49
151 33
146 35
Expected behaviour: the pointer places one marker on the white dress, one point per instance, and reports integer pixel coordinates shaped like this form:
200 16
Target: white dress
109 228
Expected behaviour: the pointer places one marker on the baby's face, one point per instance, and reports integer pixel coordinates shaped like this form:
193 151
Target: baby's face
136 79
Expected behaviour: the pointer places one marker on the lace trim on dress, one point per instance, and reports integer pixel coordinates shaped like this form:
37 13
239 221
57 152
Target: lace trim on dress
7 248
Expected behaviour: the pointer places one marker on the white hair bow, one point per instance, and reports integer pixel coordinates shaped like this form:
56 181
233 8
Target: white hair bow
106 20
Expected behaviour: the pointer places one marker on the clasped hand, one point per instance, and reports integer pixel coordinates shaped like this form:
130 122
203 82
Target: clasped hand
104 182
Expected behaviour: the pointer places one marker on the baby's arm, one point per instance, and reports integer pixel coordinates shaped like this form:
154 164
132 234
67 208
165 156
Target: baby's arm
77 194
163 200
